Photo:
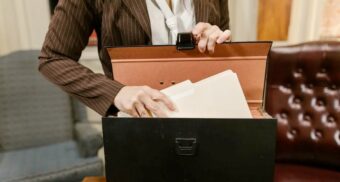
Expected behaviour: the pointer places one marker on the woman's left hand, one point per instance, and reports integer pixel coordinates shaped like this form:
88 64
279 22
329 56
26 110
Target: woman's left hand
207 36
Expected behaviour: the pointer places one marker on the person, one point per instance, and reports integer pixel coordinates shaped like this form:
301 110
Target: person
123 23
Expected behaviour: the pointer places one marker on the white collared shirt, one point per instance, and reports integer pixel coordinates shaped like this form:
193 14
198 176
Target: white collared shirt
166 23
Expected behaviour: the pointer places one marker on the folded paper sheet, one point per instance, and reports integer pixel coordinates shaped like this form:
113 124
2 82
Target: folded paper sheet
218 96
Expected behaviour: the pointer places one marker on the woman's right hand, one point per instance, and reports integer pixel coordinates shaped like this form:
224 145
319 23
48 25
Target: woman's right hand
139 101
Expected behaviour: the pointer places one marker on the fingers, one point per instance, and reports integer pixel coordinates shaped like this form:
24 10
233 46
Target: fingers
207 36
149 101
139 101
154 101
153 106
225 36
199 33
200 28
202 44
212 40
133 112
159 96
141 110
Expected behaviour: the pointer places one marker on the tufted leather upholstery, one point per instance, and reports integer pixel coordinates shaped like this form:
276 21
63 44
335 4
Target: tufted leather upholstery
303 93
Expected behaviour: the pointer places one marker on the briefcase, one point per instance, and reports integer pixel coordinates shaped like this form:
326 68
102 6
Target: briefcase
162 66
179 149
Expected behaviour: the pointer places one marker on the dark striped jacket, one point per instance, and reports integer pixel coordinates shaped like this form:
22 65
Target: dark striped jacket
117 23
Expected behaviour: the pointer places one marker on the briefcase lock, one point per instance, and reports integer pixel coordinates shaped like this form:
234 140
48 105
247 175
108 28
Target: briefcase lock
186 146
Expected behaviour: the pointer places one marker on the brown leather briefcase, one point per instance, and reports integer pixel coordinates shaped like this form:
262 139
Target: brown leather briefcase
162 66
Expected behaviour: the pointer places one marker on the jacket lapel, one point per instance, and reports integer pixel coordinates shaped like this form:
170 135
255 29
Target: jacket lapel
202 10
139 10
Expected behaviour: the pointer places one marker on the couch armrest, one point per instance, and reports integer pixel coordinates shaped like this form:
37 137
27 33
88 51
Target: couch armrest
89 140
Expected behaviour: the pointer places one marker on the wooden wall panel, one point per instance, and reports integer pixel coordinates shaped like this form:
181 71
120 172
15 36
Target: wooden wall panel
273 19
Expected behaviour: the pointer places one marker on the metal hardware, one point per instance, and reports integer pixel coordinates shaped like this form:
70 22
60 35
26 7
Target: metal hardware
186 146
185 41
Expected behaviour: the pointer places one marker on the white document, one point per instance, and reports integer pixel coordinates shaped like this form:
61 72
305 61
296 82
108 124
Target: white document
218 96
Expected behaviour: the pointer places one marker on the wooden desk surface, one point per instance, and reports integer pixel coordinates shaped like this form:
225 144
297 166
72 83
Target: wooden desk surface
94 179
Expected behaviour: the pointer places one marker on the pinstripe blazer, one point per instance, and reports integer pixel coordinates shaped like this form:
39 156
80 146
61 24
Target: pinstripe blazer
117 23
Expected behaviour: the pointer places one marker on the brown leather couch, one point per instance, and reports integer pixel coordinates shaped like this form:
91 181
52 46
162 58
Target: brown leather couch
303 93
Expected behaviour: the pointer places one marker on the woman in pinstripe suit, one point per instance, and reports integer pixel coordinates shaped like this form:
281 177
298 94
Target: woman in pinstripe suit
117 23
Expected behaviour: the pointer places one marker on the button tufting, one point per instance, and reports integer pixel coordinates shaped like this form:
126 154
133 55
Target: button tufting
323 70
305 89
283 115
310 86
288 85
337 137
316 134
330 119
299 70
291 134
337 105
297 100
333 87
307 118
285 89
320 102
298 73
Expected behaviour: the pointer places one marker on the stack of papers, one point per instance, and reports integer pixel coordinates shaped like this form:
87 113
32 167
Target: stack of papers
218 96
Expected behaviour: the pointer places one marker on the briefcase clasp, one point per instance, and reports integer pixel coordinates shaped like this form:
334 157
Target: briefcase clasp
185 41
186 146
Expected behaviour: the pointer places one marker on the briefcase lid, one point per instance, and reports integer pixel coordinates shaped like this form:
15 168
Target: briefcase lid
162 66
